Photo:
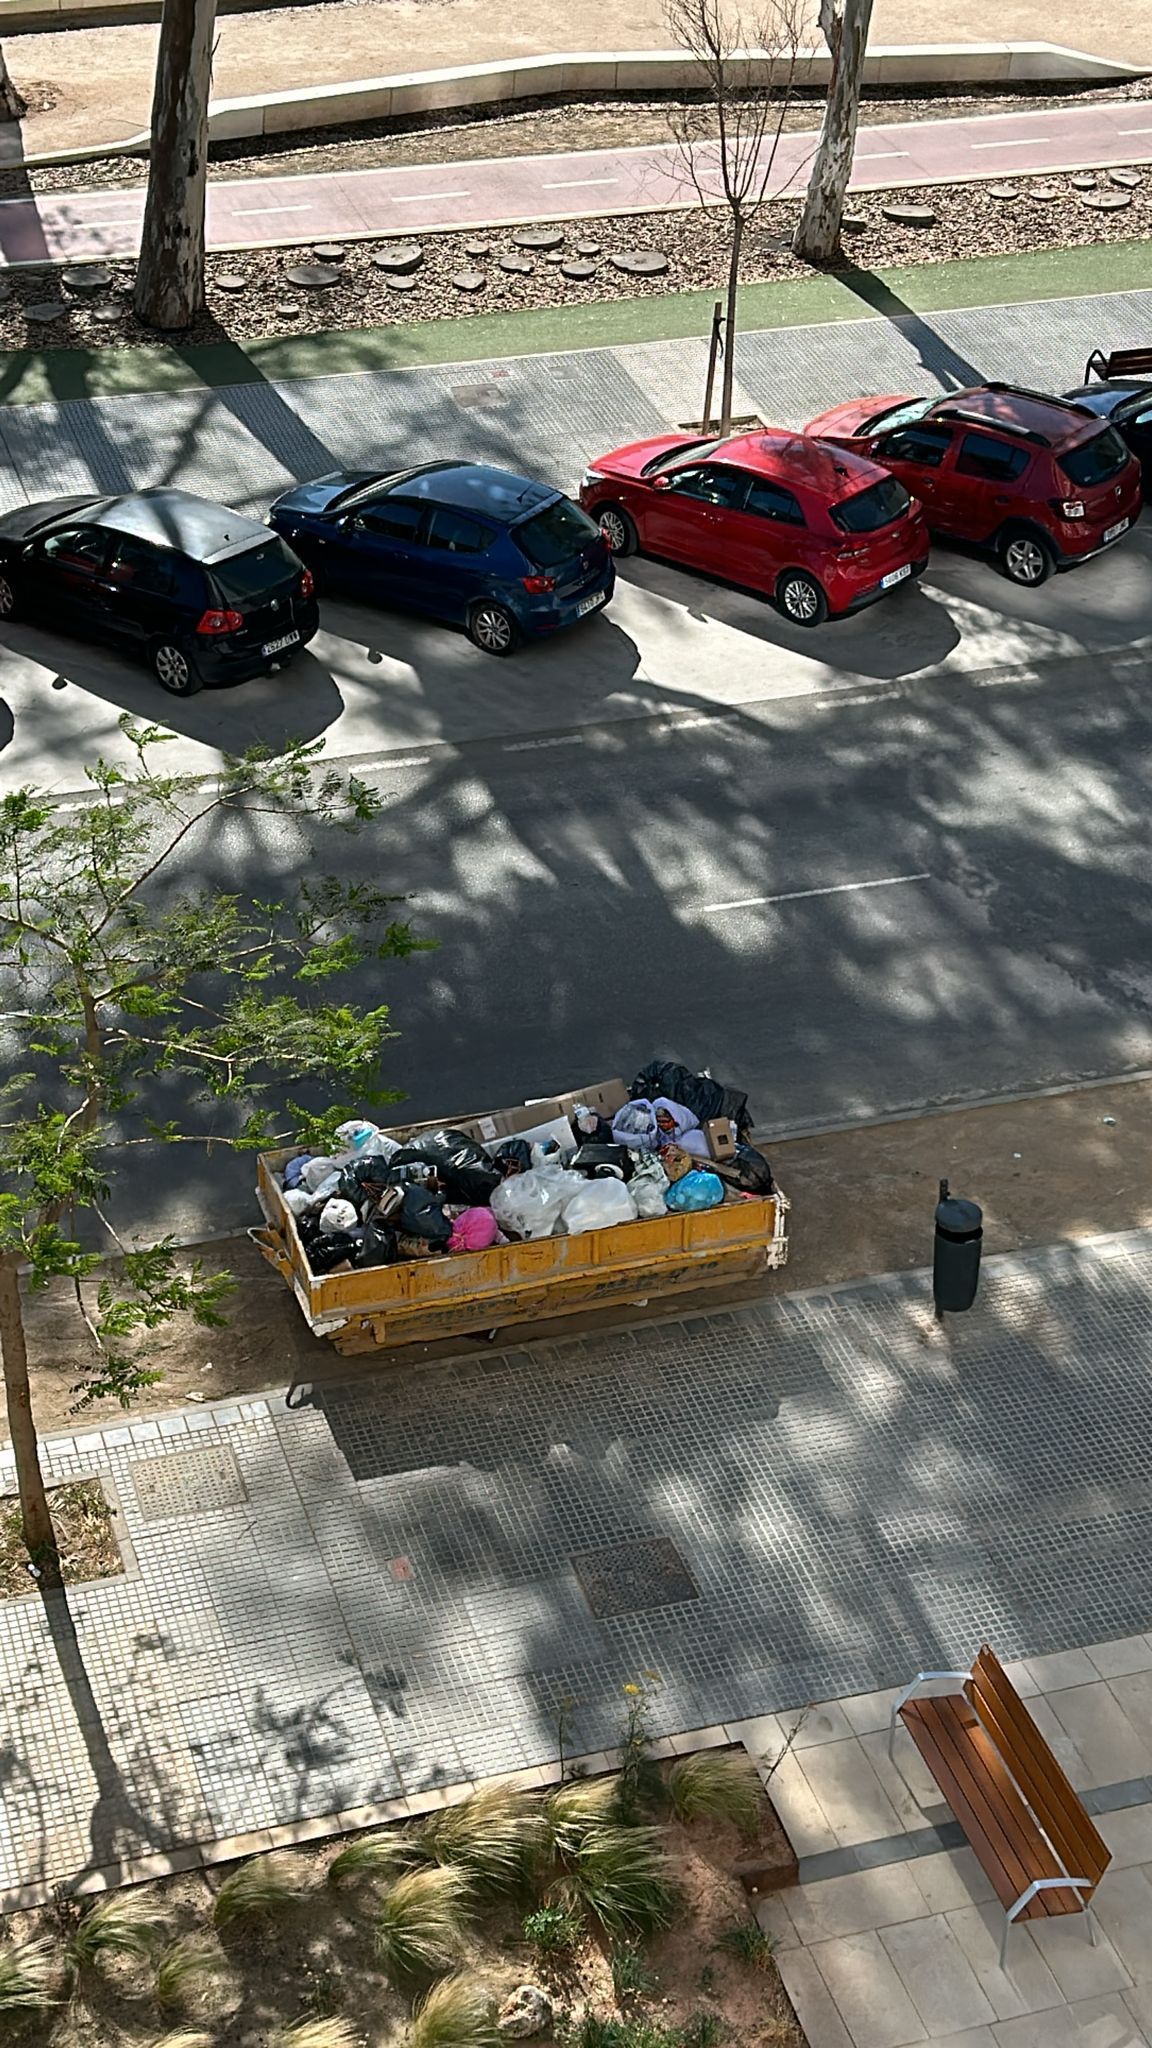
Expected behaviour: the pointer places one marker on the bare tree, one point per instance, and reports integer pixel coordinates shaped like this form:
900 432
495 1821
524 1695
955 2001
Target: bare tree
728 139
170 276
13 105
844 25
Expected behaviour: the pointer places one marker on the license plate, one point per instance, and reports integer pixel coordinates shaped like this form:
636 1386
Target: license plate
1114 532
589 604
897 576
278 646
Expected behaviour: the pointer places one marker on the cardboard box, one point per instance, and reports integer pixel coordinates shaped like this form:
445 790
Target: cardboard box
606 1097
721 1135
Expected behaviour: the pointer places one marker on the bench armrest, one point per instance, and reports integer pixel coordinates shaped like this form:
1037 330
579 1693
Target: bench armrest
921 1678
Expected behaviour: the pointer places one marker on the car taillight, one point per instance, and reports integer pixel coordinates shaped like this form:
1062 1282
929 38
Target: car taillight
307 583
1070 508
215 623
538 584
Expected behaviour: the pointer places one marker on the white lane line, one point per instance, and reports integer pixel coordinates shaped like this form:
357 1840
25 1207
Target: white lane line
1026 143
418 198
564 184
1134 131
801 895
864 155
250 212
575 739
410 761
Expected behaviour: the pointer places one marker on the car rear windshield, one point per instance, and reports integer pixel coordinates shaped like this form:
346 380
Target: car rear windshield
879 505
267 566
1094 461
552 536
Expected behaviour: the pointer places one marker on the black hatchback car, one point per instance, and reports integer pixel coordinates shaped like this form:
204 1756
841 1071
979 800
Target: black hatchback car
1126 404
204 594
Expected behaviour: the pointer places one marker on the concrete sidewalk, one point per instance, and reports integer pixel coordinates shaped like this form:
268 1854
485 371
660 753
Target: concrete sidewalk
348 1596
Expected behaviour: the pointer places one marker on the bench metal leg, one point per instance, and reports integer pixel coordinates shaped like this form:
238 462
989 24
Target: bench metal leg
1046 1884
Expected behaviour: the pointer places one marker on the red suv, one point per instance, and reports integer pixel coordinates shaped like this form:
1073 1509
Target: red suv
820 530
1040 482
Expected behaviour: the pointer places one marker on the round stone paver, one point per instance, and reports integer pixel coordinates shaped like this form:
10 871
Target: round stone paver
554 256
538 238
45 310
578 268
329 252
106 316
518 266
231 281
1127 180
90 277
1083 181
399 257
469 280
1004 191
905 214
1044 193
588 248
286 309
640 262
404 282
1106 202
312 277
477 250
853 223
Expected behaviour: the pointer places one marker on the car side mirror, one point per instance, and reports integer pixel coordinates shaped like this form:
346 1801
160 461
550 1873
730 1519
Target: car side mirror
661 483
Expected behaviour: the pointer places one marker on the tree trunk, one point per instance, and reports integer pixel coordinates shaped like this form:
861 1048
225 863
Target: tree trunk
170 277
36 1517
730 322
845 25
13 105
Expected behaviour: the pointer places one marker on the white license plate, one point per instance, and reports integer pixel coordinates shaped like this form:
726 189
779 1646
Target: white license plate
1114 532
589 604
278 646
897 576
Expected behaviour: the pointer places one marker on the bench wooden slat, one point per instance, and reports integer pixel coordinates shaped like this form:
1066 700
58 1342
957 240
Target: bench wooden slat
1119 362
1008 1844
1038 1773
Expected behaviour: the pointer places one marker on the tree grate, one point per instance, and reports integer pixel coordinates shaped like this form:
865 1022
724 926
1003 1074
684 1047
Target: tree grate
187 1483
632 1576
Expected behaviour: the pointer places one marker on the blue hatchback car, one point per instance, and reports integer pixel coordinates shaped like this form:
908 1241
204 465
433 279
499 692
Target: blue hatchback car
504 557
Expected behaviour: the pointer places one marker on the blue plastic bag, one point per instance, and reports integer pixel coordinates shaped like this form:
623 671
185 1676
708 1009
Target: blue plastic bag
696 1190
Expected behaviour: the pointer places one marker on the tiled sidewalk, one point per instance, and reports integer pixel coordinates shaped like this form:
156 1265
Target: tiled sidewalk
362 1594
893 1938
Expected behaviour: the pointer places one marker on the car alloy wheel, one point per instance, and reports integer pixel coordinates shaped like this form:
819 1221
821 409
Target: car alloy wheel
492 629
803 601
1026 560
174 671
7 599
618 530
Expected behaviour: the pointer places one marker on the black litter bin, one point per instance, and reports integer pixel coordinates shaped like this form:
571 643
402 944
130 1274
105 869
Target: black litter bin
956 1255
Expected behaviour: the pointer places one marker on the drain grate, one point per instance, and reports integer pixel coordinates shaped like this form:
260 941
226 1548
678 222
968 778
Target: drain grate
634 1575
188 1483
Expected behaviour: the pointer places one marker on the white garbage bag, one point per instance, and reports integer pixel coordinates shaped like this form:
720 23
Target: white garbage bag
338 1215
599 1204
648 1186
531 1204
317 1170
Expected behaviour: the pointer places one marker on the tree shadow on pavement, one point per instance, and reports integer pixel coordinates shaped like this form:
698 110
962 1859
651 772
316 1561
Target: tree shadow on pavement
938 357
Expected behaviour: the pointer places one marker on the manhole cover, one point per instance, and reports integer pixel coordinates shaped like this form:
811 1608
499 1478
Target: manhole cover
188 1483
630 1577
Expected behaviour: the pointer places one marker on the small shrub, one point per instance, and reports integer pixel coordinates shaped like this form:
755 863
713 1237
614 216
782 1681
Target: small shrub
123 1924
257 1890
748 1943
456 2013
371 1857
631 1977
329 2033
420 1922
618 1874
637 2031
494 1837
574 1809
641 1786
553 1930
716 1785
181 1971
26 1976
703 2030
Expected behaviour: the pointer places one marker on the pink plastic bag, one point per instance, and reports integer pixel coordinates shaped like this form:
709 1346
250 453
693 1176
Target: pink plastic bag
473 1231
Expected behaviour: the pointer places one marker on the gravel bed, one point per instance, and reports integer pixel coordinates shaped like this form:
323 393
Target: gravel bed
251 295
539 126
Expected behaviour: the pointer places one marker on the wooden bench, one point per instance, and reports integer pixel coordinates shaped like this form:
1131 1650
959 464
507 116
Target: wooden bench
1031 1834
1122 362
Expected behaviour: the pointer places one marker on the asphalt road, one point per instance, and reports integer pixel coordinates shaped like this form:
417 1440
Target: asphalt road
249 212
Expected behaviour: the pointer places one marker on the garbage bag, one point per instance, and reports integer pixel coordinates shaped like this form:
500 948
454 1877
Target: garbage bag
636 1125
421 1214
318 1170
331 1249
354 1135
378 1245
298 1200
676 1162
294 1169
752 1171
698 1092
338 1215
606 1162
513 1156
474 1230
674 1121
328 1187
530 1204
462 1167
599 1205
648 1186
697 1190
589 1127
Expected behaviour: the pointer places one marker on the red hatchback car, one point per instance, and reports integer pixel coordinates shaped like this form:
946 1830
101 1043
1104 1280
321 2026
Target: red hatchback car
1040 482
820 530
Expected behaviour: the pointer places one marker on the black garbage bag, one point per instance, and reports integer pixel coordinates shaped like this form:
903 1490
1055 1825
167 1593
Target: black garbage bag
589 1127
331 1248
378 1245
462 1167
421 1214
698 1092
513 1156
603 1162
752 1171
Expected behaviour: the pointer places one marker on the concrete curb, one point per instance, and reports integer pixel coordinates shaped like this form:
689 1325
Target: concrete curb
510 79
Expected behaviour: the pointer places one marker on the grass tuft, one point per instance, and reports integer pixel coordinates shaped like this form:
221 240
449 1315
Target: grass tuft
181 1971
27 1973
716 1785
574 1809
619 1875
553 1930
456 2013
123 1924
256 1890
495 1837
420 1922
748 1943
373 1856
185 2037
328 2033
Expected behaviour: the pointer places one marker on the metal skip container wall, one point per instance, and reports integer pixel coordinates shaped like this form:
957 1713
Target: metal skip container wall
369 1307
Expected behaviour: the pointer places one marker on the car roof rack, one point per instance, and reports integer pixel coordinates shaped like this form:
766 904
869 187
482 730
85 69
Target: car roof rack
981 419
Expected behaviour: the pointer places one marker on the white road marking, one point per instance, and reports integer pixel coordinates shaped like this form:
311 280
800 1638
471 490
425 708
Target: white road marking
563 184
251 212
417 198
574 739
801 895
410 761
1134 131
1027 143
863 154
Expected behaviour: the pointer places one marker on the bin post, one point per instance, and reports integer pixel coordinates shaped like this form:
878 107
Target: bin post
956 1253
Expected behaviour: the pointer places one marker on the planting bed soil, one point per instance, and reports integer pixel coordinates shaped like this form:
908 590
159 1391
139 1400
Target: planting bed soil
252 294
84 1533
709 1981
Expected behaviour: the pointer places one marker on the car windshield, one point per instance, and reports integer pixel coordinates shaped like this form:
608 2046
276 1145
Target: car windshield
878 506
897 415
266 567
698 451
558 532
369 488
1095 461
